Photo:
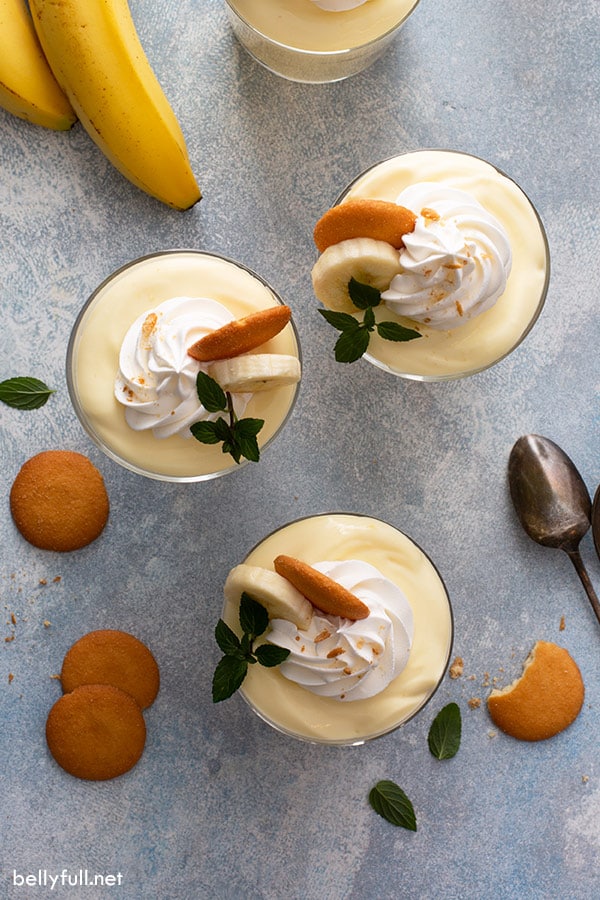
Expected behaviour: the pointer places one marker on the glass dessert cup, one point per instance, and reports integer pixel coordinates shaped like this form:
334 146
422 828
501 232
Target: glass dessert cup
488 338
300 42
92 361
297 712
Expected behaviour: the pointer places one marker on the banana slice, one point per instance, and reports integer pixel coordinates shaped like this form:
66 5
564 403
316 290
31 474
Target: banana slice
280 598
255 372
364 259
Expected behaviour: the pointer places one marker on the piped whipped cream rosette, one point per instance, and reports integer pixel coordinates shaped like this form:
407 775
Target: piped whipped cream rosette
454 264
348 628
350 659
156 382
165 349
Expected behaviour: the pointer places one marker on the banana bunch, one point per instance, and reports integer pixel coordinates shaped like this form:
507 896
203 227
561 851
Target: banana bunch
94 53
28 88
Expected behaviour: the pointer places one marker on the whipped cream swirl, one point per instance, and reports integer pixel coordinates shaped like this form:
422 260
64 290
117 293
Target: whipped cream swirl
454 264
346 659
156 382
338 5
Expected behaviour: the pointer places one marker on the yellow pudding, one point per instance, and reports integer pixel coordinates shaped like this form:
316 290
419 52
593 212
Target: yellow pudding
297 711
93 359
302 42
486 338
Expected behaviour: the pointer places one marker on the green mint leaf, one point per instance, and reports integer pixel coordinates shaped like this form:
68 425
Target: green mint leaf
363 295
228 676
210 394
392 331
24 392
246 645
228 640
249 448
270 655
248 427
206 432
244 437
223 429
232 448
390 801
369 318
445 732
254 618
350 346
340 320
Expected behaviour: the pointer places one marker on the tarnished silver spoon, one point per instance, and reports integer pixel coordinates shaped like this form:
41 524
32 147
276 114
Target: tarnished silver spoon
596 520
552 501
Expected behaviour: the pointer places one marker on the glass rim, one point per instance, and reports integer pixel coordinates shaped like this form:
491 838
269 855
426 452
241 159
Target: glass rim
357 742
456 376
323 54
72 379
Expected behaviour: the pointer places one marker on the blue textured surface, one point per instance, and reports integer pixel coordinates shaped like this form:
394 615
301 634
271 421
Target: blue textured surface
220 806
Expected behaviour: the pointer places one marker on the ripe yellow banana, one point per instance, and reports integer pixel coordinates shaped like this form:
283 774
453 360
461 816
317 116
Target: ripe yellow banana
95 53
28 88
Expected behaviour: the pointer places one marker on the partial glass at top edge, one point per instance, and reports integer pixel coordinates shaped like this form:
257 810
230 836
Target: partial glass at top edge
329 65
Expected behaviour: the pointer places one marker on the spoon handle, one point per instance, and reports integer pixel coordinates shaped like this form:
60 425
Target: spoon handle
575 557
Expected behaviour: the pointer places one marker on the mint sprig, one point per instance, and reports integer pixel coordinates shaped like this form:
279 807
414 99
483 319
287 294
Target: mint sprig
356 334
24 392
445 732
238 436
239 653
390 802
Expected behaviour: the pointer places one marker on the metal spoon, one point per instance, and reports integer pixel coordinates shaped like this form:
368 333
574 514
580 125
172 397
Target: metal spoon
551 500
596 520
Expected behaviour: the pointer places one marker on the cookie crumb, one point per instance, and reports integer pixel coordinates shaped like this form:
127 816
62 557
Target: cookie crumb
11 678
474 702
13 619
47 623
585 779
457 667
562 625
43 581
492 734
9 639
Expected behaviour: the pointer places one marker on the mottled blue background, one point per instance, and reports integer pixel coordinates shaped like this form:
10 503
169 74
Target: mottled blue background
220 806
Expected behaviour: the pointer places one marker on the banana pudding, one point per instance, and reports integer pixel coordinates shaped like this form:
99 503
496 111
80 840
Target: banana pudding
183 364
317 40
362 622
433 265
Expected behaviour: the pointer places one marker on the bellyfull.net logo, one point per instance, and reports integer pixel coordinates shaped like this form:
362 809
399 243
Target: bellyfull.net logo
66 879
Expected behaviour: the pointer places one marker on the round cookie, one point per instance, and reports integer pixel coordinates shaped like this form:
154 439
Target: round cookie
377 219
58 501
545 700
96 732
112 657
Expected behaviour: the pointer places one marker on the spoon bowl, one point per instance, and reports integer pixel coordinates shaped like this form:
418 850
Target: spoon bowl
551 500
596 520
